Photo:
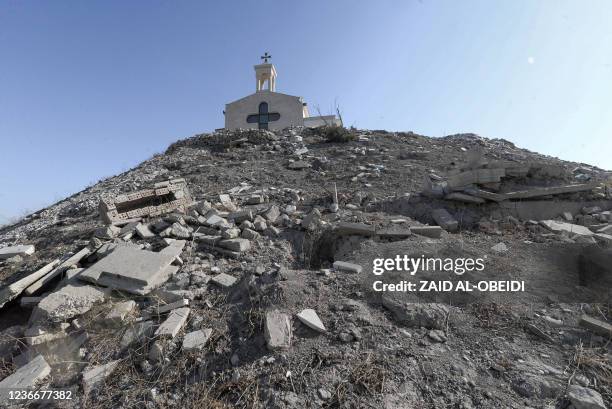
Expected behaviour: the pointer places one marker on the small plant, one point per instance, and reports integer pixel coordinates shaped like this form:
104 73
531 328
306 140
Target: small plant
338 134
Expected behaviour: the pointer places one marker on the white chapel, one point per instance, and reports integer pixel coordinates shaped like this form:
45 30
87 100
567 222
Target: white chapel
268 109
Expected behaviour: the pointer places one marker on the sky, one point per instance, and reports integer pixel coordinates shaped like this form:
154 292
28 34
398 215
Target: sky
91 89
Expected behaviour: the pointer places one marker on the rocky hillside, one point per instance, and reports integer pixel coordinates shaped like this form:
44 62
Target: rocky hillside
236 270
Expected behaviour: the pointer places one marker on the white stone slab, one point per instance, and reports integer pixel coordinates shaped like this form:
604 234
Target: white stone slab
310 318
196 339
557 227
224 280
94 377
26 377
12 251
277 330
173 324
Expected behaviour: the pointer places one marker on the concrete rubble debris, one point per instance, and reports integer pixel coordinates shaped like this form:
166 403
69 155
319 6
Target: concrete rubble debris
37 335
584 398
133 270
120 312
277 330
348 267
223 280
173 324
22 250
355 228
597 326
434 232
143 231
500 248
431 315
95 376
556 227
444 219
237 245
174 305
14 290
63 267
68 302
25 377
164 197
196 339
137 333
310 318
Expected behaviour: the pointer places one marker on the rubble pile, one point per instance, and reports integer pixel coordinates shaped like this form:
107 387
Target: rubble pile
234 271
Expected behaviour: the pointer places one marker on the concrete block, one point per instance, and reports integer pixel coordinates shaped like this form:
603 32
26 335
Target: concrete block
25 377
584 398
558 227
136 333
362 229
173 324
183 302
196 339
224 280
434 232
272 214
349 267
277 331
69 301
238 245
310 318
12 251
445 220
94 377
120 311
239 217
143 231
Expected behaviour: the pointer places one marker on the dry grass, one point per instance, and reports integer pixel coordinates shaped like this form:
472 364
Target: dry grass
367 377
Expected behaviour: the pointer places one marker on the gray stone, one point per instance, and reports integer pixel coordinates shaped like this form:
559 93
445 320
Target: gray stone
11 291
143 231
310 318
500 248
180 232
137 333
349 267
69 301
94 377
215 220
23 250
64 267
546 191
196 339
120 311
37 335
277 331
173 324
224 280
312 220
362 229
298 165
249 234
434 232
231 233
227 203
476 176
260 225
558 227
597 326
272 214
445 220
239 245
184 302
239 217
25 377
605 230
430 315
585 398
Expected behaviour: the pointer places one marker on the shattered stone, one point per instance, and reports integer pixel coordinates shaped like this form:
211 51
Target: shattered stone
249 234
224 280
227 203
231 233
298 165
348 267
180 232
24 250
277 331
120 311
196 339
69 302
462 197
437 335
434 232
173 324
310 318
239 217
37 335
174 305
272 214
25 377
585 398
238 245
94 377
445 220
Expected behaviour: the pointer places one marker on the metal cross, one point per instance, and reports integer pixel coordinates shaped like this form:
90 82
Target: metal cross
265 57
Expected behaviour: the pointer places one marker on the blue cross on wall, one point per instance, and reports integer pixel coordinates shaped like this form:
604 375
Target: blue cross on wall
263 117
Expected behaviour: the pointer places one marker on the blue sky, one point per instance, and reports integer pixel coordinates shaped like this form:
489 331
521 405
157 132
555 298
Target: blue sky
90 89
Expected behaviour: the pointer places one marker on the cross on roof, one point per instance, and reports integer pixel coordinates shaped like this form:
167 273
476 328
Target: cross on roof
265 57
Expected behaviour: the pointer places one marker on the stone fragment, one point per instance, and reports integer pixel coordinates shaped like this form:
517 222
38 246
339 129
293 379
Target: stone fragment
224 280
231 233
312 220
238 245
298 165
585 398
349 267
277 331
37 335
434 232
546 191
25 377
445 220
272 214
138 332
605 230
568 216
362 229
23 250
500 248
557 227
430 315
196 339
437 335
172 306
69 301
179 231
94 377
120 311
173 324
143 231
249 234
597 326
11 291
310 318
239 217
227 203
64 267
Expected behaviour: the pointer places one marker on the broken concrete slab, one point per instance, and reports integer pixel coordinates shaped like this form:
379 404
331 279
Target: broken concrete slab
224 280
143 231
163 198
445 220
237 245
94 377
557 227
546 191
196 339
173 324
349 267
37 335
277 331
464 198
64 266
476 176
310 318
362 229
137 333
25 377
13 290
183 302
12 251
68 302
239 217
434 232
226 202
133 270
272 214
584 398
597 326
